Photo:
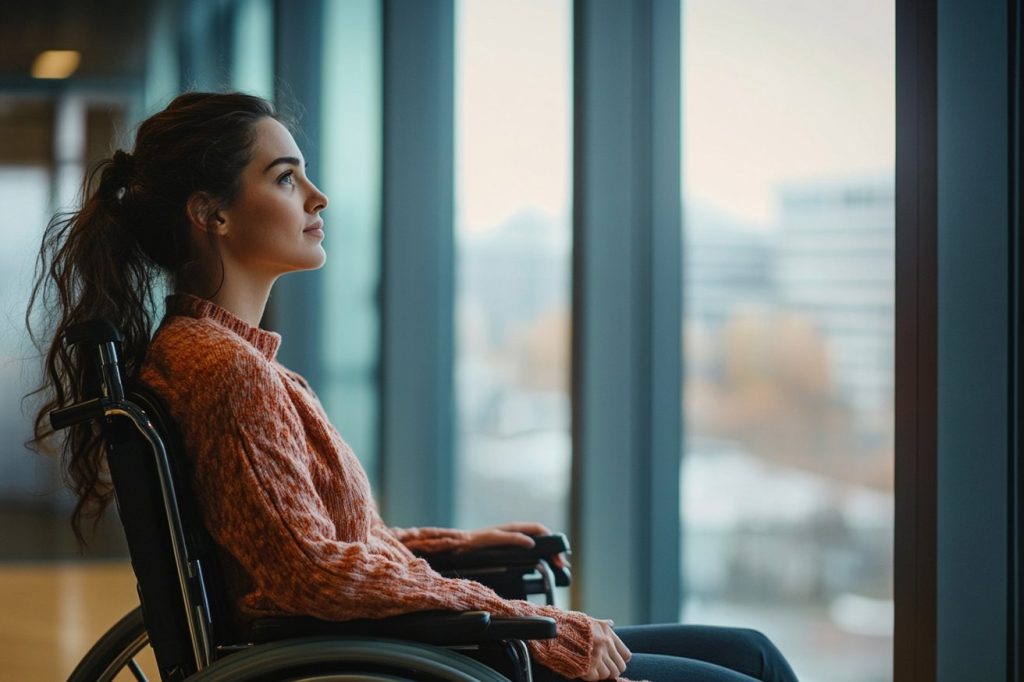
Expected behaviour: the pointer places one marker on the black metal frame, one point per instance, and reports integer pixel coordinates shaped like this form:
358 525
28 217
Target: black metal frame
916 341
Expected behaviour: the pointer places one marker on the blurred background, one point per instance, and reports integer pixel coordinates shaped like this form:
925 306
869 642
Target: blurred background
785 512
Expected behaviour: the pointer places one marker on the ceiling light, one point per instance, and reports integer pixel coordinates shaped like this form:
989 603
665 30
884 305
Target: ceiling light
56 63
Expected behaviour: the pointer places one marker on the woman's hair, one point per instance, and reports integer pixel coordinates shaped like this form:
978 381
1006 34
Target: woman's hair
129 238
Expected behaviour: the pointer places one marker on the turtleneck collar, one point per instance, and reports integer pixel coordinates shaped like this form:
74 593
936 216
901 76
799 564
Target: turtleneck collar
188 305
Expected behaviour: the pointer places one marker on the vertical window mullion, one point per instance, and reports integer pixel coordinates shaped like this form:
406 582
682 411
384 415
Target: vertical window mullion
973 359
914 654
626 323
417 251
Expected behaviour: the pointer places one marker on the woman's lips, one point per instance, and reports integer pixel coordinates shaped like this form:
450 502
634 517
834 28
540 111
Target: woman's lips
316 229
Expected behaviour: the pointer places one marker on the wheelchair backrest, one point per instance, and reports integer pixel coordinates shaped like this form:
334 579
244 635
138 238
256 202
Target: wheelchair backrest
172 555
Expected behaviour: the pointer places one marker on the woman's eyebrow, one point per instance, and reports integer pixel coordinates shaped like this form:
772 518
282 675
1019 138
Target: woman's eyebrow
285 159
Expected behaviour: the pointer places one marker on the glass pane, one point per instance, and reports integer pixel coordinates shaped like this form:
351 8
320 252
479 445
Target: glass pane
513 239
252 59
787 482
351 177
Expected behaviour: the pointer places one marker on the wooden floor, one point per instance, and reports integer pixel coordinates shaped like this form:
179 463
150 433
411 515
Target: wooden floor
51 613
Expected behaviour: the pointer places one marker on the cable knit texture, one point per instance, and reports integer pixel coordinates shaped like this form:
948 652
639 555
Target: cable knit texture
287 500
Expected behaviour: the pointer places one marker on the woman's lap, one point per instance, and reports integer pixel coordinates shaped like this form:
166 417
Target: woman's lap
739 650
660 668
698 653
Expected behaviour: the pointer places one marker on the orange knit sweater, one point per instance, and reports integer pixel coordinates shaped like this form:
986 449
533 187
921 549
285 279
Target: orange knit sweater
287 500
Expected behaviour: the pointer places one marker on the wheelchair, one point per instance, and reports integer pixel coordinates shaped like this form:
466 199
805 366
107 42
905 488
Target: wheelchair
184 615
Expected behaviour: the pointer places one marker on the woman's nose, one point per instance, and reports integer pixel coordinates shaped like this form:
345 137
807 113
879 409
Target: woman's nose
317 200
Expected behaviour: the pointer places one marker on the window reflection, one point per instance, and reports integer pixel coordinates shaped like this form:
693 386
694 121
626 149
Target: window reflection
513 239
787 474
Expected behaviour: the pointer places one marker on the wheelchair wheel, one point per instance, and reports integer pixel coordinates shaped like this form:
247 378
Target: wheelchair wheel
320 659
115 651
327 659
354 677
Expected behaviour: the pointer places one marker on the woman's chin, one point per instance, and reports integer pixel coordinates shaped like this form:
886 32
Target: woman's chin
323 259
316 260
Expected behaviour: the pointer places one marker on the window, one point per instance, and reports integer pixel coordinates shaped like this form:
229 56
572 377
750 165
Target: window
350 163
513 241
787 480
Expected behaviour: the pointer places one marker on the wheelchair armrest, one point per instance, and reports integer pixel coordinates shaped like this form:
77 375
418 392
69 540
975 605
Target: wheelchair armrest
432 627
523 627
429 627
465 564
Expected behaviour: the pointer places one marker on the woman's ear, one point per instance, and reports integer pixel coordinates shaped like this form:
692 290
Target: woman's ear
204 215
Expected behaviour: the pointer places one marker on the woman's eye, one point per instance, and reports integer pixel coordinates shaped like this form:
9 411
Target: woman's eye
286 179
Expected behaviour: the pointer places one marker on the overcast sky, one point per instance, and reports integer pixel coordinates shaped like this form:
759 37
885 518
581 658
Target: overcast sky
773 91
783 90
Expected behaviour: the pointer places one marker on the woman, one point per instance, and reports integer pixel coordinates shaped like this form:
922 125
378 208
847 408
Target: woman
214 203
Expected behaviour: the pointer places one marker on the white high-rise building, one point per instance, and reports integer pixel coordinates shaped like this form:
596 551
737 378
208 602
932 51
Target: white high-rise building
834 262
727 266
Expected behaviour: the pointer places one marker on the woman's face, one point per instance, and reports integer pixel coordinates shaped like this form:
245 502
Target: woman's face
273 226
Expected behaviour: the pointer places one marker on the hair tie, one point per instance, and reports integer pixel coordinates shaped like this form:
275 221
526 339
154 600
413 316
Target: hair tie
123 165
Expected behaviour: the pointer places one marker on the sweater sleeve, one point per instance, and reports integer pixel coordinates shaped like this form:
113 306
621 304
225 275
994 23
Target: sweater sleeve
253 478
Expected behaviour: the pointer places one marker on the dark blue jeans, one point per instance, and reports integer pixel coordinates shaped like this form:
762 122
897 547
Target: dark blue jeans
697 653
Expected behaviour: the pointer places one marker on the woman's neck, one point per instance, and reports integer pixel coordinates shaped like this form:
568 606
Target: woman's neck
243 297
246 305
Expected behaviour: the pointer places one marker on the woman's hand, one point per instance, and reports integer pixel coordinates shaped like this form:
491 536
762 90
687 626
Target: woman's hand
511 534
610 654
505 535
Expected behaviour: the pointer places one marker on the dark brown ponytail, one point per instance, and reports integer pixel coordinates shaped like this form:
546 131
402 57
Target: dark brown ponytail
125 245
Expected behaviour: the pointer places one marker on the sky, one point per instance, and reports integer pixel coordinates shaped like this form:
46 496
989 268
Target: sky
777 91
773 91
513 91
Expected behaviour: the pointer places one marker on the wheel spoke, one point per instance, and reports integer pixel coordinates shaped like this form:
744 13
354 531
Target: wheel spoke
137 671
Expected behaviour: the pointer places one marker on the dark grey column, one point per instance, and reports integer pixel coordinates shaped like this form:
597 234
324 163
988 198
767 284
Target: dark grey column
977 190
418 262
627 310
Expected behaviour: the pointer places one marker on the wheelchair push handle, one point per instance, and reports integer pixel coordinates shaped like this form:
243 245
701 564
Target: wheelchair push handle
76 414
93 332
103 337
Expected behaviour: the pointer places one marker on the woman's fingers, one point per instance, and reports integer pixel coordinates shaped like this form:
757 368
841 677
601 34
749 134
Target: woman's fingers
609 661
527 527
621 647
620 665
504 537
618 653
600 671
493 537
